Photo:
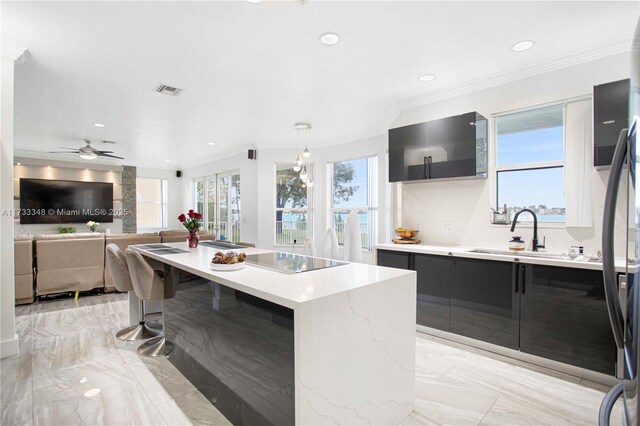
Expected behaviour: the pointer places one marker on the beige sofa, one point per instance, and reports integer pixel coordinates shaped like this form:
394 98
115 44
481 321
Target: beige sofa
123 241
180 236
23 269
69 262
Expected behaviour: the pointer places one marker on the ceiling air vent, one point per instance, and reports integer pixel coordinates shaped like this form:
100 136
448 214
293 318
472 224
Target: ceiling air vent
167 90
110 142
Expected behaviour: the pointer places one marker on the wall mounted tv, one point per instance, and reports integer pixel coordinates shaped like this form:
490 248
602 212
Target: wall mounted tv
65 201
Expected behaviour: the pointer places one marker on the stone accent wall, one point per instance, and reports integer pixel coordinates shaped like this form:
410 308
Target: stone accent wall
129 175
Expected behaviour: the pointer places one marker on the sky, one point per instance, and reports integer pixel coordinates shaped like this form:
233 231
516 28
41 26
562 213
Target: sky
531 187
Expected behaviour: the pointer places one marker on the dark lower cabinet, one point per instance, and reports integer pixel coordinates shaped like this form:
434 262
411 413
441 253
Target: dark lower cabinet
434 291
394 259
484 304
552 312
563 316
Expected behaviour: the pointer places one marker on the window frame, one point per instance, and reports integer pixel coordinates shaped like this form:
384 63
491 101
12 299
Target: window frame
309 209
163 202
372 198
539 165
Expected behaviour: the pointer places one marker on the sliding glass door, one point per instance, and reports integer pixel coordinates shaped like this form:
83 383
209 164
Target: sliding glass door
221 200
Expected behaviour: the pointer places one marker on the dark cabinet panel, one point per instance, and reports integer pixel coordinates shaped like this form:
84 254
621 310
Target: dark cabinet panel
434 291
484 302
610 116
394 259
564 317
445 148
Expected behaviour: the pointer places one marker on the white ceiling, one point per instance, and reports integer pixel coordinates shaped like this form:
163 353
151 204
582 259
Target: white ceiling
249 71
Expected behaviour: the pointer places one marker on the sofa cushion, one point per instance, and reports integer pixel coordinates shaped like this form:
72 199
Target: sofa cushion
71 236
23 259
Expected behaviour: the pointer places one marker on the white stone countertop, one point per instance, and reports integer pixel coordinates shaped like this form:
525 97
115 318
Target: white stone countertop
288 290
464 251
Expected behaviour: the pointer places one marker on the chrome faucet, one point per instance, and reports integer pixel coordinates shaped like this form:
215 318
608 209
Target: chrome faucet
535 227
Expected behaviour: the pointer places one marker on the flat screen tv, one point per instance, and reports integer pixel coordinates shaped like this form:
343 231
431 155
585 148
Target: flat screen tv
65 201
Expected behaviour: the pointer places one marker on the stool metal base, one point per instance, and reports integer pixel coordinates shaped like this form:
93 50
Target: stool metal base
142 331
157 346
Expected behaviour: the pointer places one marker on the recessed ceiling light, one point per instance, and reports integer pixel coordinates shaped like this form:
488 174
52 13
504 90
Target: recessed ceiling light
329 38
167 161
99 125
521 46
211 143
254 1
426 77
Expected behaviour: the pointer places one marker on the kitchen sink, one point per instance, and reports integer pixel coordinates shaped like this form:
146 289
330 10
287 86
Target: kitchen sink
524 253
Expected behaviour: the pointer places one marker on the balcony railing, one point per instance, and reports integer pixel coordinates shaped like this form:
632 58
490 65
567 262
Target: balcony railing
364 234
289 230
221 232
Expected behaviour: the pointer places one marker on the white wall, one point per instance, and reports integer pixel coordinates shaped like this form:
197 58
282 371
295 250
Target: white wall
174 195
8 337
67 170
465 204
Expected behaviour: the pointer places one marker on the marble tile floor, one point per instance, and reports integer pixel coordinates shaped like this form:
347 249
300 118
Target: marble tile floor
72 370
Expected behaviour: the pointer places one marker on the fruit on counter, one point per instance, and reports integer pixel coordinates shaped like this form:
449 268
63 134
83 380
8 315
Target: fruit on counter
228 258
406 232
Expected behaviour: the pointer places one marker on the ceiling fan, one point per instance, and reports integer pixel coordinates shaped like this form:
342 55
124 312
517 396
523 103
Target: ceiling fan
87 152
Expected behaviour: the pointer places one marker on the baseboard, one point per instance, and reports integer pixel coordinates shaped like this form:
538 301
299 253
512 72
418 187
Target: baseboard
9 347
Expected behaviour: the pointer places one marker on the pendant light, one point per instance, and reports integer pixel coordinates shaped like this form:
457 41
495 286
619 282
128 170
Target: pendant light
304 175
298 165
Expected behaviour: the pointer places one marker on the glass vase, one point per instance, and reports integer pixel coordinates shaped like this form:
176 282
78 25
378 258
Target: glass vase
193 238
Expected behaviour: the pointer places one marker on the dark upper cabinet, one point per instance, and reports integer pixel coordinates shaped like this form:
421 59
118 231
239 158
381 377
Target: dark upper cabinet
434 291
610 116
484 301
564 317
447 148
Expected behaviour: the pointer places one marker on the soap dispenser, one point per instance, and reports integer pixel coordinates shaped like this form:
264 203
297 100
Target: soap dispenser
516 244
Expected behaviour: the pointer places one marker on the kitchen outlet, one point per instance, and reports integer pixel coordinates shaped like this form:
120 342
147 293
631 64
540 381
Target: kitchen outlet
447 226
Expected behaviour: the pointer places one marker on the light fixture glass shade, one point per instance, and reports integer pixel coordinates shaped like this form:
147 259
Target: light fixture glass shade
297 168
309 184
88 155
306 153
303 175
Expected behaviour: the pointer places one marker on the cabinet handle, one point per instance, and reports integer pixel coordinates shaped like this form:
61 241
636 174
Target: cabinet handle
515 276
426 172
522 278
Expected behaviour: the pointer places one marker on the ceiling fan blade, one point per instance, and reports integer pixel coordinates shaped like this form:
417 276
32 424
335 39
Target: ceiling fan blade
64 152
105 152
100 154
64 147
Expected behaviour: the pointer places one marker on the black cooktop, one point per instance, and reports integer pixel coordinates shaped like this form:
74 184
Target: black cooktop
288 263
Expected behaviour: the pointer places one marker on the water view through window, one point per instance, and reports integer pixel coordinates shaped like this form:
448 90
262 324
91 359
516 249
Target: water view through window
530 163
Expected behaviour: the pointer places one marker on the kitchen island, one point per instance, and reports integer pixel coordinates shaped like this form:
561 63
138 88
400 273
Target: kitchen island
327 346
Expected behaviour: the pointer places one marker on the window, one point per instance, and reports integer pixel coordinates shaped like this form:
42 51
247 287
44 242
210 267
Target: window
294 206
151 202
353 188
530 163
213 196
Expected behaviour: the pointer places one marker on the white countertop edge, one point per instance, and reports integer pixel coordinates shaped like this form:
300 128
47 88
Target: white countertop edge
465 251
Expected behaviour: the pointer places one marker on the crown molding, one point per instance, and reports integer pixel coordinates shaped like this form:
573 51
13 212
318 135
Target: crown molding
598 51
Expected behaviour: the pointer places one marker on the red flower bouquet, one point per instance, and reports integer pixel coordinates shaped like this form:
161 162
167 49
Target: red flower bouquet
191 221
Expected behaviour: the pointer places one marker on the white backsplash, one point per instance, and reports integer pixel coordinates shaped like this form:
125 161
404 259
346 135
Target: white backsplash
458 213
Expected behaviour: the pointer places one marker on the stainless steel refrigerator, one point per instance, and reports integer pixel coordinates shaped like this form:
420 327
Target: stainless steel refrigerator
624 311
